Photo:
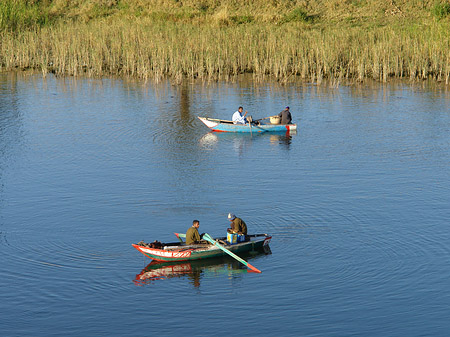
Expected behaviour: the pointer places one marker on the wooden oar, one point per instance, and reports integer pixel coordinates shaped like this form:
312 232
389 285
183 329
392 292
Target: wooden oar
211 240
219 120
261 119
249 119
256 235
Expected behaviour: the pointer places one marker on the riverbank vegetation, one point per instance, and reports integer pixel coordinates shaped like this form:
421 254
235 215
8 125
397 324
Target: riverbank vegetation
211 39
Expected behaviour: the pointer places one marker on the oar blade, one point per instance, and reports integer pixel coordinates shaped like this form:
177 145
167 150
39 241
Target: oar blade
180 236
256 270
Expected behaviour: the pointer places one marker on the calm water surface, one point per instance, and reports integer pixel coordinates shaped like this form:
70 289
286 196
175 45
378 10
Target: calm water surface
357 201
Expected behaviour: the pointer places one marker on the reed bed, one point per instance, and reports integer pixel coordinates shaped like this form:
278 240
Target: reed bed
153 50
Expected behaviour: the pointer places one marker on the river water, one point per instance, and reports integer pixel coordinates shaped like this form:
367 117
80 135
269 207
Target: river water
357 202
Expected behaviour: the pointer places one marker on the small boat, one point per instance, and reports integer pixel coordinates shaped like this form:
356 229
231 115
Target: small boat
220 125
179 251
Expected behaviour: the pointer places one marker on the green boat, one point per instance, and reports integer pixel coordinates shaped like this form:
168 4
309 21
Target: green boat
179 251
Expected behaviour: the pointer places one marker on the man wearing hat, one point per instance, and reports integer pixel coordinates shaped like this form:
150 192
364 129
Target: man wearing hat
237 225
285 115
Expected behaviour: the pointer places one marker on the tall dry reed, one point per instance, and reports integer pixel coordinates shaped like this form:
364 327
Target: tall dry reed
211 52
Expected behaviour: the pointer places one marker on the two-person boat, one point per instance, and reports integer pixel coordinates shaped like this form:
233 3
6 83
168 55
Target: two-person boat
179 251
258 126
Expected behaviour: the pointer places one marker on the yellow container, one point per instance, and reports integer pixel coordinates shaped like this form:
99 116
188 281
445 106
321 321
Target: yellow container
232 238
275 120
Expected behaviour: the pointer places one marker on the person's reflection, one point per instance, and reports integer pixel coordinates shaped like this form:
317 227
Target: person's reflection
286 141
283 139
239 145
195 277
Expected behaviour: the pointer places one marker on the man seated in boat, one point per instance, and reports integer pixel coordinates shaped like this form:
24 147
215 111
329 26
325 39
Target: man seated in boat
192 236
286 117
238 225
238 118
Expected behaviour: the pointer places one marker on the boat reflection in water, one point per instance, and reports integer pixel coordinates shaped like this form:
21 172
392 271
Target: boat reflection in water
241 141
195 270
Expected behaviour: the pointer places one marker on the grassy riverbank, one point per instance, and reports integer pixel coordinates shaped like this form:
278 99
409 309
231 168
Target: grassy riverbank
286 40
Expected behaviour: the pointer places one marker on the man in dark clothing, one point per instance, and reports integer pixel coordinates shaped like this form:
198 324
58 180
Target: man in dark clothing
192 235
285 115
237 225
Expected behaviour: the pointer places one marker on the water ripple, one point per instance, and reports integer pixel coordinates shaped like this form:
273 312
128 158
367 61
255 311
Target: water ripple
48 253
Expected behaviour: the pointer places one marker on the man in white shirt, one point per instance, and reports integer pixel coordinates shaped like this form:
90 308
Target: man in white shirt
238 118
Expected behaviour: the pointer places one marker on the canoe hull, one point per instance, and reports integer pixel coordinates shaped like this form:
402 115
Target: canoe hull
198 252
227 126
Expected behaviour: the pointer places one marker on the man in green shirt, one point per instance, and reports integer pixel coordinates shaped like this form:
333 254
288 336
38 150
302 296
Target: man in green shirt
237 225
192 235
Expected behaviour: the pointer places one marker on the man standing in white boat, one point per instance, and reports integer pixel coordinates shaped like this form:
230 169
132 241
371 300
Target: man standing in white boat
238 118
286 117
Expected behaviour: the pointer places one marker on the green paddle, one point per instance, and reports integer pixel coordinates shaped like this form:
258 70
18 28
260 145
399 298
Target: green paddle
211 240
